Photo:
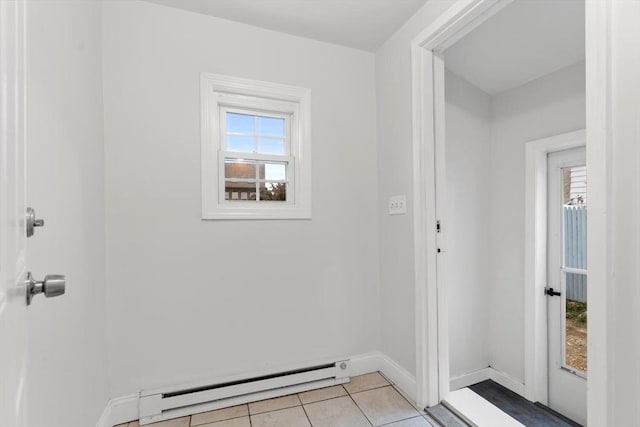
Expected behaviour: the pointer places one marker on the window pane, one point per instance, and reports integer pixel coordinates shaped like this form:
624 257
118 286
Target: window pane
576 321
239 170
271 126
243 190
242 144
273 191
273 171
241 123
272 146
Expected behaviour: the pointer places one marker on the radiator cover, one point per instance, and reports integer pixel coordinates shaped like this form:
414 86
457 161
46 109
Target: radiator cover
162 404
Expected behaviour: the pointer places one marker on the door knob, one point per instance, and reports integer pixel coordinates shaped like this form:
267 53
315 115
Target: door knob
33 222
53 285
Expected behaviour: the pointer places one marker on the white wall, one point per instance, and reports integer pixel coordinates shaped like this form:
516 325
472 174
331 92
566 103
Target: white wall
190 299
67 342
466 224
548 106
395 176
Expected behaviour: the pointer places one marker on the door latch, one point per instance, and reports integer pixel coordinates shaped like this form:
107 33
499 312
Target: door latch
550 292
33 222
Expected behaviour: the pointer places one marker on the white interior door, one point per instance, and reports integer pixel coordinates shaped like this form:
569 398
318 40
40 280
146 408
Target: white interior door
567 283
13 325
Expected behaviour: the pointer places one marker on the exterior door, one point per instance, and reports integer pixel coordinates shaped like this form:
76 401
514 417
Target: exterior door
567 283
13 308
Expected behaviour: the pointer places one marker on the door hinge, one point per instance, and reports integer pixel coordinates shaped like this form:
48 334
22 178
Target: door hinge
438 228
550 292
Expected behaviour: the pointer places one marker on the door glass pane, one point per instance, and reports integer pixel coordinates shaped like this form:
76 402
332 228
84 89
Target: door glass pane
576 321
574 233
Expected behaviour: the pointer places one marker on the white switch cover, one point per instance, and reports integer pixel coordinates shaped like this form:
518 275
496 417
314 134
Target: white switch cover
398 205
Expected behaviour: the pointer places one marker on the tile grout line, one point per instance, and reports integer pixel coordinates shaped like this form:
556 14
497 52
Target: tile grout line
414 406
305 413
419 415
219 421
324 400
369 389
360 409
403 419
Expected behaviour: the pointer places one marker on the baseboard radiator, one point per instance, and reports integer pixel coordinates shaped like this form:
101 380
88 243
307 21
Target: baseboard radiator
163 404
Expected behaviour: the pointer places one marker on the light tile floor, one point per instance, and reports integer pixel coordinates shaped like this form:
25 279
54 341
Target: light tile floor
368 400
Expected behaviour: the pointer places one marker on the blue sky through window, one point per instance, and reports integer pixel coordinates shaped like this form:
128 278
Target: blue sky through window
243 144
271 126
272 146
241 123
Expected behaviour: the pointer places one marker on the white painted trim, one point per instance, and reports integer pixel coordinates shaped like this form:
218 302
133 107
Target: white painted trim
471 378
119 410
432 372
217 91
376 361
399 376
478 411
124 409
599 147
484 374
105 417
507 381
456 22
468 14
535 259
424 219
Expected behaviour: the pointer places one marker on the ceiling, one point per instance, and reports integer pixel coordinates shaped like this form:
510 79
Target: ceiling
524 41
361 24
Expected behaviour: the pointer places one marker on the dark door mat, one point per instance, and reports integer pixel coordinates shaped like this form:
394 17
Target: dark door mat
445 417
528 413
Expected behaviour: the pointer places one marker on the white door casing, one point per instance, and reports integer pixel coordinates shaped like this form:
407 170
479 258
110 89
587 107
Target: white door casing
458 20
13 326
567 390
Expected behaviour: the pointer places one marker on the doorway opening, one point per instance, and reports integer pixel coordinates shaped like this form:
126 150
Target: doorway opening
480 143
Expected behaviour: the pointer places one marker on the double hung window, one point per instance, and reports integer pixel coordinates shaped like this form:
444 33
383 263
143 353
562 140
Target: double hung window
255 149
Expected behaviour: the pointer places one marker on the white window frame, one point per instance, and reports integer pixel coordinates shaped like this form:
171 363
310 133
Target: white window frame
220 93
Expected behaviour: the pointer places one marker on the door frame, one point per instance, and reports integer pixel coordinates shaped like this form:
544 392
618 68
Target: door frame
432 352
535 262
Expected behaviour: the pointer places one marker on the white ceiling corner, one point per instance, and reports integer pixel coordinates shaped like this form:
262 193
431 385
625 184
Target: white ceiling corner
361 24
524 41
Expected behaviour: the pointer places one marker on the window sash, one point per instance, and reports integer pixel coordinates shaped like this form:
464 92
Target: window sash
260 98
287 117
289 161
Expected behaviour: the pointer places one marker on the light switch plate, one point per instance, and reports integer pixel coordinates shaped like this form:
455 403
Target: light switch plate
398 205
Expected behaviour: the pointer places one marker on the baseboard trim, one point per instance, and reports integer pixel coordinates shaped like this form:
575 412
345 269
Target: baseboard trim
465 380
396 374
488 373
104 417
120 410
507 381
124 409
